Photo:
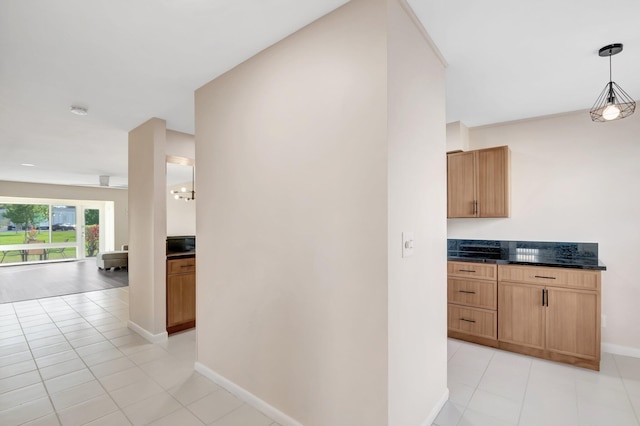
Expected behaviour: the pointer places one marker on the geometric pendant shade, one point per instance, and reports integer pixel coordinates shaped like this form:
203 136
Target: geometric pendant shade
613 102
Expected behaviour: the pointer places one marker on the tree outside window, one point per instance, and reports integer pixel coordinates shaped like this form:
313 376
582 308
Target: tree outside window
28 216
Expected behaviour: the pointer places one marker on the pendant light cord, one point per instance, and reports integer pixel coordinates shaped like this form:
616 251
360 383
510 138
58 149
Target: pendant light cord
612 95
610 79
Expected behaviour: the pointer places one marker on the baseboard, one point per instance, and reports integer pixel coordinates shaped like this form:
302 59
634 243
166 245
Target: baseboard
436 409
153 338
246 396
621 350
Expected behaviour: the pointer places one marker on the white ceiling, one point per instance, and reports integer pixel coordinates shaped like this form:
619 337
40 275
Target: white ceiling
511 60
129 61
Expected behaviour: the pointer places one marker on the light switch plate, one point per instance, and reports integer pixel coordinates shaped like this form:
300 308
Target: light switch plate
407 244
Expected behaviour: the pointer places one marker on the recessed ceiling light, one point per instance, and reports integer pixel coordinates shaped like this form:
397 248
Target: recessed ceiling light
28 165
79 110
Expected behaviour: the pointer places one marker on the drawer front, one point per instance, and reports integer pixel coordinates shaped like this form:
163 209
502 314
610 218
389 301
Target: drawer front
480 271
180 266
474 293
558 277
472 321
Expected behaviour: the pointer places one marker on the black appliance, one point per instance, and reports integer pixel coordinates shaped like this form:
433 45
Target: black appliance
181 244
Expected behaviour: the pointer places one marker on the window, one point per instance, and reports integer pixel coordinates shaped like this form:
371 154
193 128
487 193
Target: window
34 231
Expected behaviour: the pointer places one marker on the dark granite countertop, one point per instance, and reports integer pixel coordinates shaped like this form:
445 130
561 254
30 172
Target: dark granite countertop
536 253
181 255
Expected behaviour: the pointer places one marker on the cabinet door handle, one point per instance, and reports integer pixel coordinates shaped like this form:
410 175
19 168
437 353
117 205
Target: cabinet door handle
546 278
545 297
186 266
467 320
467 292
475 206
466 270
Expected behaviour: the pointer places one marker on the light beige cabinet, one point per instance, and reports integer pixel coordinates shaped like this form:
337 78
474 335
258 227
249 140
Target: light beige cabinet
478 183
521 314
471 294
551 313
573 322
181 294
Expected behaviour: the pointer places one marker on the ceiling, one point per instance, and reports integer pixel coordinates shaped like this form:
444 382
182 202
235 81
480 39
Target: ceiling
130 61
510 60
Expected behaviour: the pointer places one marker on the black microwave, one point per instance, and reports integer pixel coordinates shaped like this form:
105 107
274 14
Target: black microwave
181 244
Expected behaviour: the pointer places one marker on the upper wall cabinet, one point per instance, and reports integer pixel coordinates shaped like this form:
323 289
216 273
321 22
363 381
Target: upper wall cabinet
478 183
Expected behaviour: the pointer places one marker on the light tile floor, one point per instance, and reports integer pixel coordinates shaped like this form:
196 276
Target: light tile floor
489 387
71 360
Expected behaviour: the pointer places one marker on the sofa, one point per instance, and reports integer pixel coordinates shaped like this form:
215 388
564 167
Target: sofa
113 259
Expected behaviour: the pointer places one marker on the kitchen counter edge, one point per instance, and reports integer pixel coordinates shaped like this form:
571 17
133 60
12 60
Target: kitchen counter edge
598 267
182 255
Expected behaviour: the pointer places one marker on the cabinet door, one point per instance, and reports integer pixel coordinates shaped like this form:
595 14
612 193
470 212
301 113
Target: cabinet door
493 182
573 326
521 315
181 298
461 184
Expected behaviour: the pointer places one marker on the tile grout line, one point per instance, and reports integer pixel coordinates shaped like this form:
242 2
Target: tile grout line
138 366
89 368
526 388
36 364
626 390
45 310
80 358
475 388
75 307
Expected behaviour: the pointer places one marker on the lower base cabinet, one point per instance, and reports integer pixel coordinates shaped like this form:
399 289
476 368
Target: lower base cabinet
551 313
521 314
181 294
573 323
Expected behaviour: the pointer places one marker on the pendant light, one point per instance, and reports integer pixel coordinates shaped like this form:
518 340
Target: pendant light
613 103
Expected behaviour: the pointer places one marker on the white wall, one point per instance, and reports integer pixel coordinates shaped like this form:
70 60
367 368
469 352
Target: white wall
149 145
292 221
417 202
457 137
313 157
181 215
66 192
181 144
574 180
148 228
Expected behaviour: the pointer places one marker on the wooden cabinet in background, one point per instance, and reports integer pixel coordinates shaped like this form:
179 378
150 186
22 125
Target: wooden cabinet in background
472 304
552 313
478 183
521 314
573 322
461 184
181 294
